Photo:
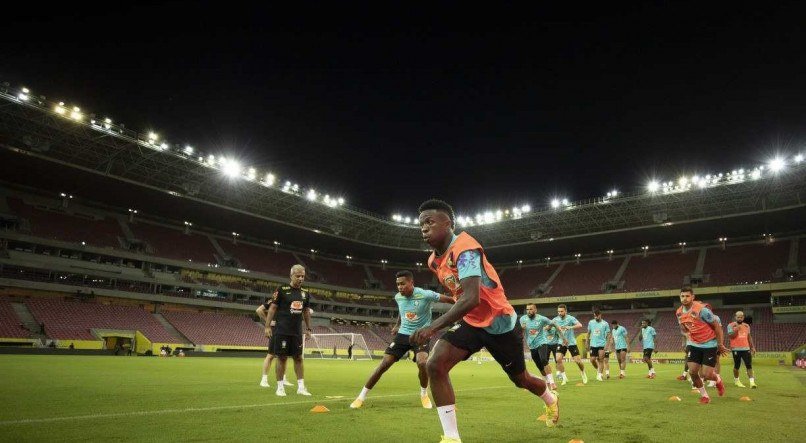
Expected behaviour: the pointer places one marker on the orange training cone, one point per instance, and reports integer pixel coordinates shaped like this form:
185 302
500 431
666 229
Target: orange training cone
319 409
675 398
745 398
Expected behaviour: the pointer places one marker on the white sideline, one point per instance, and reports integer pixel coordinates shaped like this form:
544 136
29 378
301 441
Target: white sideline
255 405
213 408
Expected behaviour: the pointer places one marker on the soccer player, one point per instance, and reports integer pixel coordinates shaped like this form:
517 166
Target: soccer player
553 340
414 305
535 326
647 339
718 367
741 345
261 312
704 339
289 306
618 341
598 333
481 317
566 324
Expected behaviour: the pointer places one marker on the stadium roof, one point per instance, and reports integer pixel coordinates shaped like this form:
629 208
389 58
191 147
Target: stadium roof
67 151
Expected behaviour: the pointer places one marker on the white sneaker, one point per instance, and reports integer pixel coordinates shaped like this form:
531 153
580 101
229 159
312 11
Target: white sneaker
584 378
264 384
598 377
711 384
280 392
303 391
286 383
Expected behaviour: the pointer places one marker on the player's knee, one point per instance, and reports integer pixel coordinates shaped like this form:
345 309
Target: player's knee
518 379
434 367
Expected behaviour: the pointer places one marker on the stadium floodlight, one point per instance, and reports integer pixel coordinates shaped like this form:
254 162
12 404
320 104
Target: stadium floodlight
187 223
153 137
798 158
610 252
526 209
520 262
407 220
60 109
555 203
276 243
311 195
133 211
188 150
348 257
340 201
577 255
489 217
76 114
251 174
565 202
653 186
24 94
231 168
682 181
163 146
396 217
295 187
211 159
645 248
384 261
777 164
108 123
756 174
235 234
314 251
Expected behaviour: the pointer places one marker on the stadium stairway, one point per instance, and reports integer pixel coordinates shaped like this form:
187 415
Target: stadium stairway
27 319
171 329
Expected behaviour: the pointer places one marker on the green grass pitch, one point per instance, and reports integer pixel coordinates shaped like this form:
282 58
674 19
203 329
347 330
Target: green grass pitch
75 398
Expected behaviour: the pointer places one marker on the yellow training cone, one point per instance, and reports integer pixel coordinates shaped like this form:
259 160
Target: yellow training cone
745 398
580 384
576 440
542 417
319 409
675 398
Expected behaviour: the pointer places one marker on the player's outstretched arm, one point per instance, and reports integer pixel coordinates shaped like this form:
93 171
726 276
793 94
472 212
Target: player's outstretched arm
720 337
577 325
269 318
396 327
465 304
446 299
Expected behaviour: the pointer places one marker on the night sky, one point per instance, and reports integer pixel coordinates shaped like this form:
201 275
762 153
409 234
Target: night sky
388 107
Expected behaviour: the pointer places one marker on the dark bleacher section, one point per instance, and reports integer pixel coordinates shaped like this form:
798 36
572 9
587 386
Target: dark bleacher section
658 271
256 258
769 336
745 264
174 243
66 320
524 282
584 278
58 225
204 328
668 338
10 324
338 273
387 276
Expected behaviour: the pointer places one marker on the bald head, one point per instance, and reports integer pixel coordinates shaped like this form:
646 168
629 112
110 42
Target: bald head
297 275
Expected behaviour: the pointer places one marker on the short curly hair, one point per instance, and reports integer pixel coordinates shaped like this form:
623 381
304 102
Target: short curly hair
438 205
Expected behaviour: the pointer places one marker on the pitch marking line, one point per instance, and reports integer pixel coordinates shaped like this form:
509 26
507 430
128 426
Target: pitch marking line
211 408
